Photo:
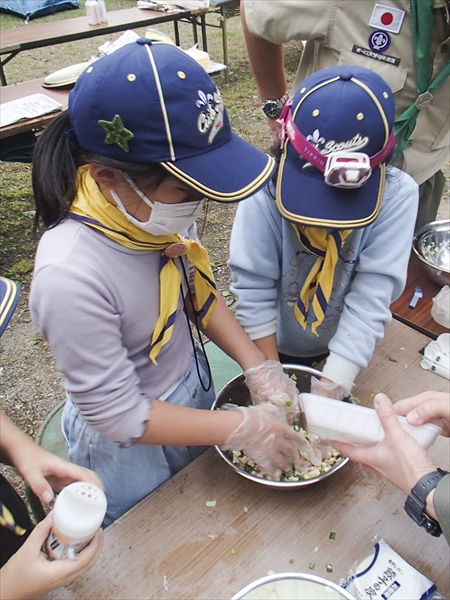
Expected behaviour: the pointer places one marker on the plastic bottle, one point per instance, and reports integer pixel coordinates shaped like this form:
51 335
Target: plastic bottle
93 12
77 514
102 8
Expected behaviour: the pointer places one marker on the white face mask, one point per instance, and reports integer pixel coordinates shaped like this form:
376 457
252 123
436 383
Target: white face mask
165 219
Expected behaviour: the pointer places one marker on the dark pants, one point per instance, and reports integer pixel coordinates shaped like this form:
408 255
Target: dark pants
309 361
430 195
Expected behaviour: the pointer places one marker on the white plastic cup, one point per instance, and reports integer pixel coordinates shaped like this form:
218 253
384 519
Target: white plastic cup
102 10
77 514
93 12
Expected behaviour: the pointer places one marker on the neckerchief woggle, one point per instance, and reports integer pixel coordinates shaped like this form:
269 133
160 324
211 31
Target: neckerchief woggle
93 209
318 285
422 31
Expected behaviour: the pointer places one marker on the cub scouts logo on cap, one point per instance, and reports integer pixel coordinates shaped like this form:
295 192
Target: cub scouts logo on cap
386 18
211 118
357 143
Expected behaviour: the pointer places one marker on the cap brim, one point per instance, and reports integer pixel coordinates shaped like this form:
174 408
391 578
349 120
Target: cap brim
302 196
9 297
229 173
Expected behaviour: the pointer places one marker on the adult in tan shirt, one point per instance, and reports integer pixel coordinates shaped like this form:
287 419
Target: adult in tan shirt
338 32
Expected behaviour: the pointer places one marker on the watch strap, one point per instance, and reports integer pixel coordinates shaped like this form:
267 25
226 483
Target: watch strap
415 504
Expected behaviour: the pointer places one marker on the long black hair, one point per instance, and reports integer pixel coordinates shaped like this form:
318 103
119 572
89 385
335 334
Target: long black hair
54 172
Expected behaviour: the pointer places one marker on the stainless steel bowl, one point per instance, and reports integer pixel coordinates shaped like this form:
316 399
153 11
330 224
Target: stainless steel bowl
431 245
292 586
236 392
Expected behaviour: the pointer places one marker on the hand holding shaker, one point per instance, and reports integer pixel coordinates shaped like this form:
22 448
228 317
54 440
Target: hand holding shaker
77 514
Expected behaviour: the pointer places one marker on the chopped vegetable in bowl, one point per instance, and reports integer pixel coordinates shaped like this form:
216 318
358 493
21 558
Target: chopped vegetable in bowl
303 470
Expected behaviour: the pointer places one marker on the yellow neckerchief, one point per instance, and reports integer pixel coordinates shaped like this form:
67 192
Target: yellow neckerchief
93 209
319 283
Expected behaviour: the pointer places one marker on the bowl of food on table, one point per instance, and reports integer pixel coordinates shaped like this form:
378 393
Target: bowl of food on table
304 473
292 586
431 245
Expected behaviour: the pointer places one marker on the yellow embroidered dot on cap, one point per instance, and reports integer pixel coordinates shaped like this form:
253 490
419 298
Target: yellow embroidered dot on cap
360 116
316 112
302 90
89 69
181 74
385 95
131 77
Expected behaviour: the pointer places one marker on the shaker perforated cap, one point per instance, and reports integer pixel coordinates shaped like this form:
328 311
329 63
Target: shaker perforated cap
79 510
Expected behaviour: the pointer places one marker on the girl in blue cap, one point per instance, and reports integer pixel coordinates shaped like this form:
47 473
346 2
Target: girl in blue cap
119 182
319 255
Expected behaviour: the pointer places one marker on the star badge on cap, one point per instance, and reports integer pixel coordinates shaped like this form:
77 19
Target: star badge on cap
117 133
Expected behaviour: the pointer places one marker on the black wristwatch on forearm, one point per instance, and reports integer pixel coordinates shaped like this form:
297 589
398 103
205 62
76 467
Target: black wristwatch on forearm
415 505
272 108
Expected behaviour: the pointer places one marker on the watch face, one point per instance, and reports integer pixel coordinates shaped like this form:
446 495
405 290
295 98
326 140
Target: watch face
272 109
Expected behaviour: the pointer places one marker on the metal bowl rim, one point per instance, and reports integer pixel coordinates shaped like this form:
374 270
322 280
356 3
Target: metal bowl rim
296 576
443 224
279 485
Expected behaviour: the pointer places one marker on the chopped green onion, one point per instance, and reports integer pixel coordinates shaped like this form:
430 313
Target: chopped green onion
332 536
181 490
311 566
329 568
291 560
233 551
211 502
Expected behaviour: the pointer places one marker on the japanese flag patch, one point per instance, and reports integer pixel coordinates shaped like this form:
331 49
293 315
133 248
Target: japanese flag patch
387 18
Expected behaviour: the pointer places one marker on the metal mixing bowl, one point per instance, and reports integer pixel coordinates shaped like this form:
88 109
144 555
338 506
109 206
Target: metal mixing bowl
431 245
292 585
236 392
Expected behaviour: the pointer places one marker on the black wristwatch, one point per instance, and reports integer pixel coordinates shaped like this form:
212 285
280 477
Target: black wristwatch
273 108
416 502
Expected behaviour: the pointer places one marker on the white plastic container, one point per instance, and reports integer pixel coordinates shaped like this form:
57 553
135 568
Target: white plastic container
93 12
343 422
78 512
102 10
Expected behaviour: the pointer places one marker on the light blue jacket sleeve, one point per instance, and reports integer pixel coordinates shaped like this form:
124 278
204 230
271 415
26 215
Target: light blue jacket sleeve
380 273
255 263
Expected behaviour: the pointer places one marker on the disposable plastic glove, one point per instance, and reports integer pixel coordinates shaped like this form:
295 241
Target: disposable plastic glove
330 389
269 383
265 436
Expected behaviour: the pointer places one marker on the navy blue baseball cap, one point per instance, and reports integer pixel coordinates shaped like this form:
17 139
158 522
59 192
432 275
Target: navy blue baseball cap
343 114
150 102
9 297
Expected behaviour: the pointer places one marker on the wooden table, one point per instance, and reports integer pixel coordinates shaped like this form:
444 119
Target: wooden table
171 545
13 41
419 317
26 88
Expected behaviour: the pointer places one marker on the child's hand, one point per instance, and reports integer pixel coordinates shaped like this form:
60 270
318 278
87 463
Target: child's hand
45 472
269 383
28 574
265 436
